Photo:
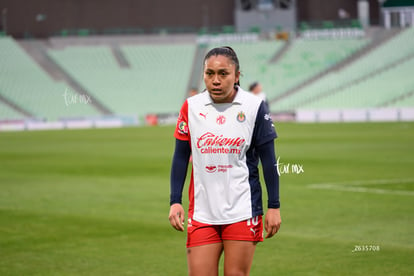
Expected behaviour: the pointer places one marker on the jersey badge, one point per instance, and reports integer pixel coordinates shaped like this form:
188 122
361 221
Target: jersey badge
220 119
241 117
183 128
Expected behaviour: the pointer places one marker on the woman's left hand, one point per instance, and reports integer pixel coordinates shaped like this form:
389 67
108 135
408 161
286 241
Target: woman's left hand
272 222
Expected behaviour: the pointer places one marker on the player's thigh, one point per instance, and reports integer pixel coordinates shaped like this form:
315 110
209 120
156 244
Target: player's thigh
204 259
238 257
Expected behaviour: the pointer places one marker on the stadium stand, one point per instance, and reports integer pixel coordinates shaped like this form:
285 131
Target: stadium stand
300 60
140 75
163 74
406 100
153 82
364 69
305 59
26 85
6 112
254 60
373 92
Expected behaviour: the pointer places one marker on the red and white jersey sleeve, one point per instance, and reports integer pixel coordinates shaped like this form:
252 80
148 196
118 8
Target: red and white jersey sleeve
220 135
181 129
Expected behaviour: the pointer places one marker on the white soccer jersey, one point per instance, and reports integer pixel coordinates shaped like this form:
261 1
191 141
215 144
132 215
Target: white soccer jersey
224 186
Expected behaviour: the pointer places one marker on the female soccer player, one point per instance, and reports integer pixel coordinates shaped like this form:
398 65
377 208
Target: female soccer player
227 130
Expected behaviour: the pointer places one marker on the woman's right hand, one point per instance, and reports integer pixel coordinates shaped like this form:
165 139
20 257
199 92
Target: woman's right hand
176 217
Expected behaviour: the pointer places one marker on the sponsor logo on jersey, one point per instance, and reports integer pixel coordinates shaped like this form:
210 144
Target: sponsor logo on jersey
220 119
211 168
241 117
224 168
218 168
211 143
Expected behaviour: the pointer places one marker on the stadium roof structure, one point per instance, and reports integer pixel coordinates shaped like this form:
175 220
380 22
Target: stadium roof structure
398 3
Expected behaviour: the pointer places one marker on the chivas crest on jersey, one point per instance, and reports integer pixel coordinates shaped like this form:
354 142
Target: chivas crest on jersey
241 117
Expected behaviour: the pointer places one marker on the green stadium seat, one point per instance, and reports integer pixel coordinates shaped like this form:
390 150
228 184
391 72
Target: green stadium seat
83 32
341 84
228 29
25 84
152 83
8 113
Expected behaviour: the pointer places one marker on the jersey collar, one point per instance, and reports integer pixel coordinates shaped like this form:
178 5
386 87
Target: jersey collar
237 99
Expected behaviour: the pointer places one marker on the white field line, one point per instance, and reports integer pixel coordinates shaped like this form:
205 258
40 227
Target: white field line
352 186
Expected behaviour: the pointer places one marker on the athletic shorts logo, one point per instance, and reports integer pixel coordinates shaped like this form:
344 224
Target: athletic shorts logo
241 117
221 119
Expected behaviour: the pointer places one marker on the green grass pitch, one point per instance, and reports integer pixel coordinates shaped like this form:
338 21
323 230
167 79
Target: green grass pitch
95 202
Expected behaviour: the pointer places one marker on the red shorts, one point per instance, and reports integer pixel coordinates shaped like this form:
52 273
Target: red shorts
200 233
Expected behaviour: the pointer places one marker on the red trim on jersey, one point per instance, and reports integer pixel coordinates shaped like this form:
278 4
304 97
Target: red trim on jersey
191 196
181 130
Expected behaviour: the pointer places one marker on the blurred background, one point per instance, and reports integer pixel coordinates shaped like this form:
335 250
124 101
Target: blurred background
107 63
